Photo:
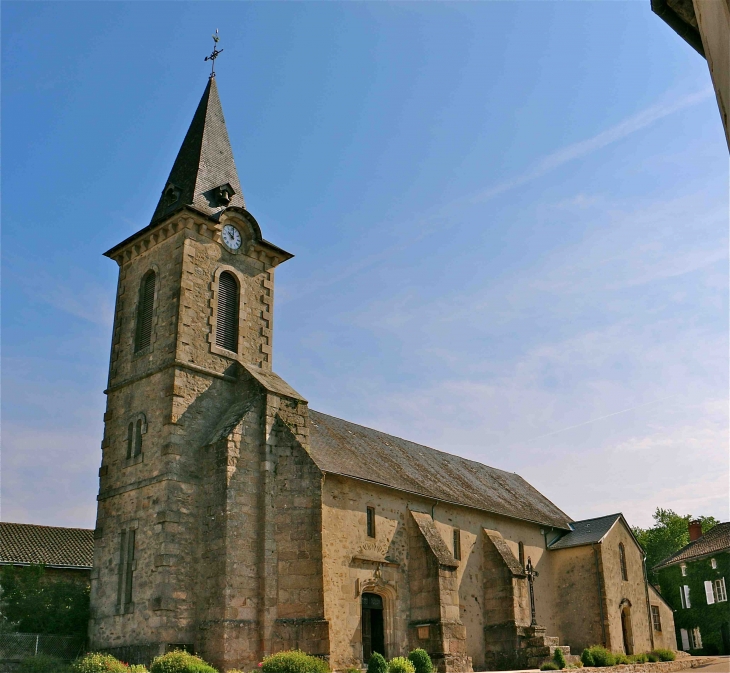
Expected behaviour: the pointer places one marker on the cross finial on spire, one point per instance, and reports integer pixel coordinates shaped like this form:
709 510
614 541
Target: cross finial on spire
214 54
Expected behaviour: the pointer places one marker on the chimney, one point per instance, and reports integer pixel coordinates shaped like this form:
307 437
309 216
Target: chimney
695 530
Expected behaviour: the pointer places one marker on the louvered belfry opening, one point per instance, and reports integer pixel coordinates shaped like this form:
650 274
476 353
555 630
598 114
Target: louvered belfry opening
143 336
226 330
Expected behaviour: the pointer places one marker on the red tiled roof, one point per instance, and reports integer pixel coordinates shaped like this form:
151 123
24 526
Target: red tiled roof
715 540
25 544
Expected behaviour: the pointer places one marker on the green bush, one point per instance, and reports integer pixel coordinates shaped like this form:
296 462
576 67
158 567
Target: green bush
596 655
179 661
652 657
421 661
620 658
140 668
377 663
401 665
96 662
549 666
43 663
638 658
559 659
292 661
664 655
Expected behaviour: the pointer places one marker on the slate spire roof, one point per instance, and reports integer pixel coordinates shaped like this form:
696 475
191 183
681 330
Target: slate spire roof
204 174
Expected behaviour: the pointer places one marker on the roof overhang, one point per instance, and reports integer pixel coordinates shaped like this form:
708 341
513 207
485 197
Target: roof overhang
679 15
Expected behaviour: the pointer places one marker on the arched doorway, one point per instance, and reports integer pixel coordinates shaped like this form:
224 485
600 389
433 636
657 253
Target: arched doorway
373 628
626 627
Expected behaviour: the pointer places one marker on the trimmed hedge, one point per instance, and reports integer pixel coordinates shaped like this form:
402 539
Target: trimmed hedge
559 659
43 663
292 661
400 665
179 661
377 663
596 655
96 662
421 661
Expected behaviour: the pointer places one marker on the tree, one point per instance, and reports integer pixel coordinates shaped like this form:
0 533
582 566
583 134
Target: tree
668 535
33 602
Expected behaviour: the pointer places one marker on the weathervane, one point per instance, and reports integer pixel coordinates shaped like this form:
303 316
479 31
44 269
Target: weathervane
531 575
214 54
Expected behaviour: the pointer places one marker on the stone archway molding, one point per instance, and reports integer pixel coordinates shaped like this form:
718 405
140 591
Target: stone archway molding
387 591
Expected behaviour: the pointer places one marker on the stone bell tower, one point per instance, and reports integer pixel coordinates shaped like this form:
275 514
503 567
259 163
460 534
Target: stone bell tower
199 432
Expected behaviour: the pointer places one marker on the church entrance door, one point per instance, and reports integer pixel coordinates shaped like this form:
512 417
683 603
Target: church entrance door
626 628
373 634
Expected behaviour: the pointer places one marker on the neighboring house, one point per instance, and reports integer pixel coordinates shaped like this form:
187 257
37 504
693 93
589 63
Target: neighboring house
694 581
236 521
705 26
597 565
66 553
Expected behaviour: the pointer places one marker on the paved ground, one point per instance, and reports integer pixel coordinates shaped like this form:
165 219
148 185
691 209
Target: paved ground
721 665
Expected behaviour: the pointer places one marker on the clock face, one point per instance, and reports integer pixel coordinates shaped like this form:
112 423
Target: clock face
231 237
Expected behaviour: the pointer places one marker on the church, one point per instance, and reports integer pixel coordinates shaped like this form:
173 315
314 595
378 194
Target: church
234 521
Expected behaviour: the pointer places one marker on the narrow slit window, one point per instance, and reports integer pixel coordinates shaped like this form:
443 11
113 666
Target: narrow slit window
656 618
122 559
130 567
371 522
457 544
622 561
226 329
521 553
143 335
138 438
130 440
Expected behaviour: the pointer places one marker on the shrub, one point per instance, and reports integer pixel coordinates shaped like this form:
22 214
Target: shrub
620 658
559 659
351 669
638 658
377 664
96 662
42 663
292 661
179 661
401 665
421 661
596 655
549 666
664 655
652 657
140 668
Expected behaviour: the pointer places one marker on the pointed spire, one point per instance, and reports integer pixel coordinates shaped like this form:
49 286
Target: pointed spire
204 174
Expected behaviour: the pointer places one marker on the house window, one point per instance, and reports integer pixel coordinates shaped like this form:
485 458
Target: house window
143 334
683 568
126 569
521 553
656 618
710 592
457 544
684 596
685 639
371 522
713 563
622 561
226 329
695 639
720 591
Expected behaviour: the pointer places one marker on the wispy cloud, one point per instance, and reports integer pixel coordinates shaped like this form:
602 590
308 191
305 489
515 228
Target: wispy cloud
583 148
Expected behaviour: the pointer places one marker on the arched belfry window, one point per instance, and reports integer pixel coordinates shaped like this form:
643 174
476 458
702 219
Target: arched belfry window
136 428
143 335
226 328
622 561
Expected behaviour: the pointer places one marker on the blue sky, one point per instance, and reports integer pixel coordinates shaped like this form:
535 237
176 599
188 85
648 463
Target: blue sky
510 222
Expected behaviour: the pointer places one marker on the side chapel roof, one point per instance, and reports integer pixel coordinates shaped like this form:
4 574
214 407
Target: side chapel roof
27 544
715 540
350 450
588 531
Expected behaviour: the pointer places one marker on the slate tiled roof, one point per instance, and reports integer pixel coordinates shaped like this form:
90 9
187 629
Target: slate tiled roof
25 544
715 540
351 450
588 531
205 160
